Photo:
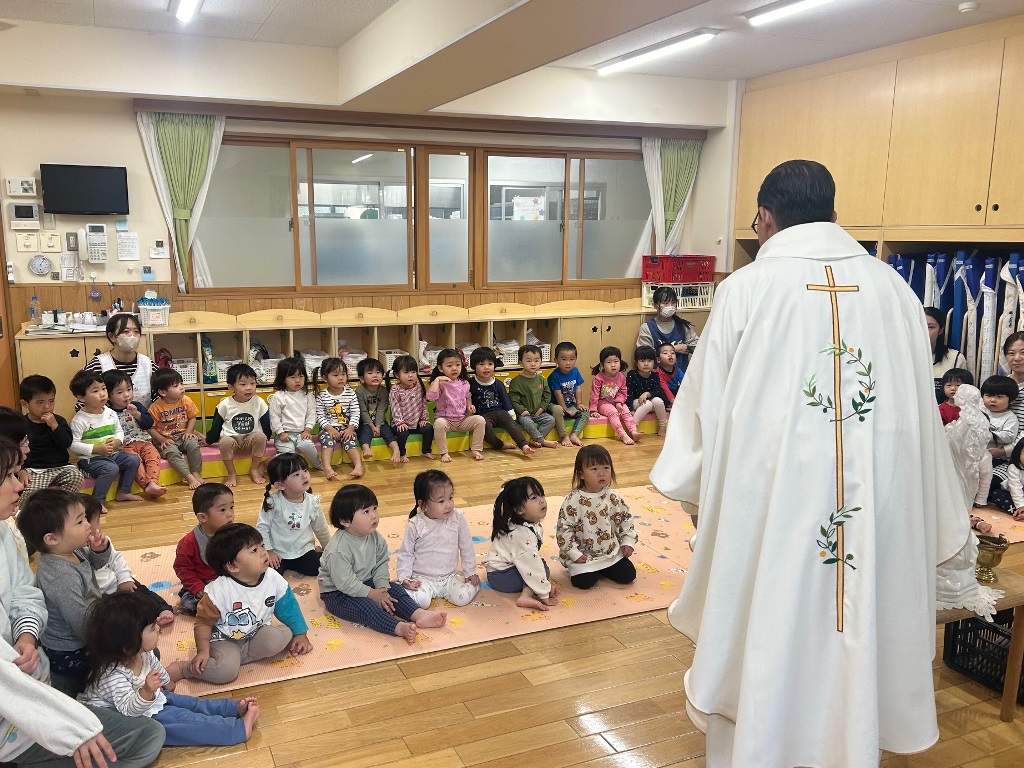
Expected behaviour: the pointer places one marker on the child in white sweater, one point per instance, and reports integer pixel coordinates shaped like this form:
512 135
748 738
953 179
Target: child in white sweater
290 515
436 536
997 393
97 438
293 411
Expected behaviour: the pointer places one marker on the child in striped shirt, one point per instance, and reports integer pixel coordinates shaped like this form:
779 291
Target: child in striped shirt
337 413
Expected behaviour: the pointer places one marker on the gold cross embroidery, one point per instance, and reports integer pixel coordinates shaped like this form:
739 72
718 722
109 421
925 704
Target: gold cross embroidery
832 289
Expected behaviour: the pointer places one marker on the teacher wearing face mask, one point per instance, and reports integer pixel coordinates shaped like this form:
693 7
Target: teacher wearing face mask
125 334
667 328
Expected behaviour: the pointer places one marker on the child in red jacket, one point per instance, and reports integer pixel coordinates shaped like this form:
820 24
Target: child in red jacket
214 505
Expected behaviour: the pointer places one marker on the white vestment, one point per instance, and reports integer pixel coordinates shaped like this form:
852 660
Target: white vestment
752 442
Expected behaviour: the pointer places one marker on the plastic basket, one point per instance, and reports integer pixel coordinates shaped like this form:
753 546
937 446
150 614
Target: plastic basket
223 363
266 370
691 295
979 649
545 353
154 317
387 357
678 269
510 356
313 362
188 369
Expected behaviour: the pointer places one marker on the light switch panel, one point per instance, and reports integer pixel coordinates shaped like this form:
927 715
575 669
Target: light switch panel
27 241
50 242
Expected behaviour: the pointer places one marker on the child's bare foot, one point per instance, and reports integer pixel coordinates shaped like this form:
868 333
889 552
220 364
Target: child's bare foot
154 490
575 440
405 459
445 458
357 471
525 601
329 474
507 446
528 450
637 435
661 430
257 476
367 453
477 456
397 458
250 716
549 444
626 439
406 629
244 705
164 618
566 441
230 481
127 497
428 456
424 618
536 444
555 590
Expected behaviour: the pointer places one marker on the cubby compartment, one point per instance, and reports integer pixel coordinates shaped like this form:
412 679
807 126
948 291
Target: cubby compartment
547 330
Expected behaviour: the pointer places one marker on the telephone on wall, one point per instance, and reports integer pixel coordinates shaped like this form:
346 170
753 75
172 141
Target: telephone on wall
92 243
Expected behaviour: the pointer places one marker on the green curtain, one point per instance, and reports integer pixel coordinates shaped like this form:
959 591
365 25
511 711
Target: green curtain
678 168
184 142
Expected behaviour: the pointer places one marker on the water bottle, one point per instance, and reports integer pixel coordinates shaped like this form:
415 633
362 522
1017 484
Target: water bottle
35 314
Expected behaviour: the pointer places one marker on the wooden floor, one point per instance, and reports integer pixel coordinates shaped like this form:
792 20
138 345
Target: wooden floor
601 695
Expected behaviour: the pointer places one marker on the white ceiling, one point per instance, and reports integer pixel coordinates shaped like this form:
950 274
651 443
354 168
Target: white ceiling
740 52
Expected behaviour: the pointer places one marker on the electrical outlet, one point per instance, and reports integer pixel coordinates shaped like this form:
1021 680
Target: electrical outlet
72 240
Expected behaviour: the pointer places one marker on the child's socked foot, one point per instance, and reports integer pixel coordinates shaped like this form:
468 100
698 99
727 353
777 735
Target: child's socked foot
407 630
424 618
127 497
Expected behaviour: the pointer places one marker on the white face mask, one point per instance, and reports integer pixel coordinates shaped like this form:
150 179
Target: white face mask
668 310
128 343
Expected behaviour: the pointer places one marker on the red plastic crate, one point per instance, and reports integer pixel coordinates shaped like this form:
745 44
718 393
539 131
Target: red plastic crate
678 269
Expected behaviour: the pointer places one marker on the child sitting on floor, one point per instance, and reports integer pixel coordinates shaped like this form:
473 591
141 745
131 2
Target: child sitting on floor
293 411
214 507
337 413
436 536
116 576
174 419
54 524
121 634
49 439
233 620
490 398
290 515
595 531
373 407
408 400
454 409
513 562
354 580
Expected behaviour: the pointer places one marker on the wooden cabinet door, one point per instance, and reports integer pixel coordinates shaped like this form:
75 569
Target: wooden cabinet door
943 126
1006 190
621 331
842 121
585 333
58 359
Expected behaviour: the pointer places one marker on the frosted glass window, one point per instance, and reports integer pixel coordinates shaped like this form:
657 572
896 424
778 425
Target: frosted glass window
448 223
616 206
244 230
524 231
360 218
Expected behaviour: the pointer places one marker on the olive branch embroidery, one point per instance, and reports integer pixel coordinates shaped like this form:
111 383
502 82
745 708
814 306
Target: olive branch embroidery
828 543
865 384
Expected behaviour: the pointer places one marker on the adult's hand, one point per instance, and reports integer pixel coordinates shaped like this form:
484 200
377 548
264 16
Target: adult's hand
96 751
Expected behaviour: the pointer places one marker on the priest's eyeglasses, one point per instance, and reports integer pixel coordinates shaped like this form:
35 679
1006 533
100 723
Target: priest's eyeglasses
756 221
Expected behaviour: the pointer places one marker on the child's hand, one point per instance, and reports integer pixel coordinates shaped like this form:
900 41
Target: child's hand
127 586
626 550
620 407
572 410
275 559
153 683
133 411
349 433
199 662
424 423
412 583
300 645
580 559
474 580
284 437
1018 514
470 408
644 397
401 427
49 420
381 597
160 441
538 413
594 414
333 433
307 434
375 429
98 541
682 348
189 436
525 413
106 448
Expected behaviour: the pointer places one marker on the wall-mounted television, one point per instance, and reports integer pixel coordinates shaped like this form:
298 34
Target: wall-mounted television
84 190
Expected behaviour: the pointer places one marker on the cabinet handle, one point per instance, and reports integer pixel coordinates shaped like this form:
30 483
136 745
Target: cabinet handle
433 313
608 329
280 318
977 207
360 316
192 321
995 206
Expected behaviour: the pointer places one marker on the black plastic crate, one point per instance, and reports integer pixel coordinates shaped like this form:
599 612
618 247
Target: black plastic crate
979 649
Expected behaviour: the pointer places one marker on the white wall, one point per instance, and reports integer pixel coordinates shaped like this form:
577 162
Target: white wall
80 131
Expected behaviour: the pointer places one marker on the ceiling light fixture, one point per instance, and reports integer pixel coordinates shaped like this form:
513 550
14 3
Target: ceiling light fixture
660 50
360 159
186 10
776 11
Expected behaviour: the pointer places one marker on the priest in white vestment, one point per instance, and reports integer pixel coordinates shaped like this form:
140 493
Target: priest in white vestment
806 434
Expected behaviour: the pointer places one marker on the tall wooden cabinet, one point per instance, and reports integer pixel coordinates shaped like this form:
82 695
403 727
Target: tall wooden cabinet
1006 188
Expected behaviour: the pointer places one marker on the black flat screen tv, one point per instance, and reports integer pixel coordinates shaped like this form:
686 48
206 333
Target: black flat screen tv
84 190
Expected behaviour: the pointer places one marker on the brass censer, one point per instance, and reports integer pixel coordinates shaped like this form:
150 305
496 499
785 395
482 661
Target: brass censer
990 553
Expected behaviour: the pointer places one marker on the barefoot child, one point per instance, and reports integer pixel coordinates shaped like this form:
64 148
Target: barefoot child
293 411
97 439
513 562
373 406
214 507
643 389
121 635
608 395
408 400
337 413
490 398
137 424
241 423
531 400
354 580
454 409
565 383
233 620
436 537
174 418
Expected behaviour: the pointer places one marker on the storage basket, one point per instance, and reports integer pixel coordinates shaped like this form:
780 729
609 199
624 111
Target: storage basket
223 363
678 269
691 295
266 369
154 317
545 353
387 357
313 362
188 368
508 356
979 649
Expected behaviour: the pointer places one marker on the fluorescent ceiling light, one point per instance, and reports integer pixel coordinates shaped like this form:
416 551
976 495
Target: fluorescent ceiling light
186 10
777 11
360 159
666 48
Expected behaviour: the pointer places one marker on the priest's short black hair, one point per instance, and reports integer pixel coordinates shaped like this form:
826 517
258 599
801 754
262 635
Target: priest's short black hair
798 192
1000 385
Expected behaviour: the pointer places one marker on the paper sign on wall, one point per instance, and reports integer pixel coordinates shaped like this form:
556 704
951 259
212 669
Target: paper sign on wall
528 208
127 246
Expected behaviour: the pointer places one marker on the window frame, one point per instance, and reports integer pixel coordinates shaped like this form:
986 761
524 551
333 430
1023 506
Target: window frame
422 208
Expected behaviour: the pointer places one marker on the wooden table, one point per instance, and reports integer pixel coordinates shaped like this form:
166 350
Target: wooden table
1013 587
